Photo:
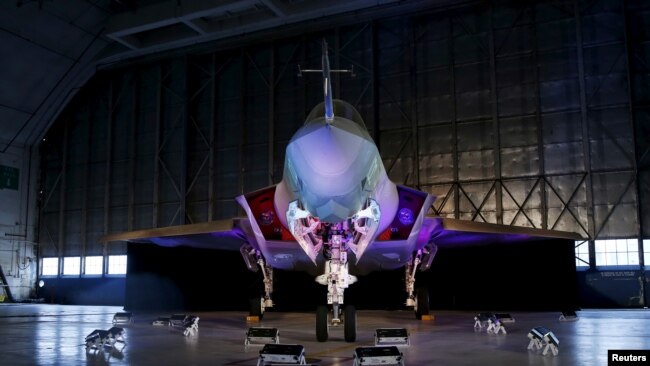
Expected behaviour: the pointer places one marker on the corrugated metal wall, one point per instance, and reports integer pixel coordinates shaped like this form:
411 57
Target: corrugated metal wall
510 112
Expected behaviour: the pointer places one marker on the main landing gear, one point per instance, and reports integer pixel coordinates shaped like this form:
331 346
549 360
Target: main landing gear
419 299
255 262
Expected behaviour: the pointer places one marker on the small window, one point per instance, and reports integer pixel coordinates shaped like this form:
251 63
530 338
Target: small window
617 252
582 253
646 252
71 266
50 267
94 265
116 264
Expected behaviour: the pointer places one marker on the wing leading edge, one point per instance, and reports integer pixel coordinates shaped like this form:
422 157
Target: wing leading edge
447 232
222 235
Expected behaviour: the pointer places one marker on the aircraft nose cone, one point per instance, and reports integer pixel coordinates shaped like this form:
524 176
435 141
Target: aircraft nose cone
331 167
332 149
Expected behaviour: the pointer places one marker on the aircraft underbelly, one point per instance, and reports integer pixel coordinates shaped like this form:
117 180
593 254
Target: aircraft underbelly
289 256
383 256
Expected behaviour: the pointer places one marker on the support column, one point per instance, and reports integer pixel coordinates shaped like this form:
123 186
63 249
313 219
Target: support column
633 121
375 87
84 202
62 194
108 167
213 141
156 159
454 123
585 126
414 107
495 121
540 126
133 150
242 121
271 136
184 148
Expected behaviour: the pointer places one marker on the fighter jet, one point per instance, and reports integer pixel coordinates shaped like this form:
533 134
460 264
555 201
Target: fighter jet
336 215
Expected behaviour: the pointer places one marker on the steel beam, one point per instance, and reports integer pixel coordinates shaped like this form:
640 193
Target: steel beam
206 140
585 123
538 121
109 161
495 119
84 198
494 186
618 202
156 160
184 122
213 139
133 149
414 105
271 122
477 210
242 120
521 207
454 122
62 194
634 122
566 204
375 87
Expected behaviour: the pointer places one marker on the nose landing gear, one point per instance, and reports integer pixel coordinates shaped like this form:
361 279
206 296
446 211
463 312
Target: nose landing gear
326 320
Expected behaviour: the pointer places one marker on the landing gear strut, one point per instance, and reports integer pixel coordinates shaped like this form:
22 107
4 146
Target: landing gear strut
334 240
337 279
255 262
419 299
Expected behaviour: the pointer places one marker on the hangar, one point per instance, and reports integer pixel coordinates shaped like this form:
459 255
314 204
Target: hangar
152 116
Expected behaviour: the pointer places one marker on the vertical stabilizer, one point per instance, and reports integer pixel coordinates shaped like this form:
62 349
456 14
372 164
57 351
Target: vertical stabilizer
327 85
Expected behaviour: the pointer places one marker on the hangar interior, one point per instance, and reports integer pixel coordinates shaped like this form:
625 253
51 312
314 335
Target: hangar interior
126 115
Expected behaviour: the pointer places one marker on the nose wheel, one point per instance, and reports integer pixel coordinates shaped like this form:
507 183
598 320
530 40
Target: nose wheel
322 326
350 323
324 321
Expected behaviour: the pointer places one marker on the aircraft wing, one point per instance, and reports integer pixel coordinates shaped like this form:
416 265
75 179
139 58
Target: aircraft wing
388 253
222 234
447 232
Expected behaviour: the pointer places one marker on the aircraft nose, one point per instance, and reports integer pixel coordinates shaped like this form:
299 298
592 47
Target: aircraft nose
330 163
332 211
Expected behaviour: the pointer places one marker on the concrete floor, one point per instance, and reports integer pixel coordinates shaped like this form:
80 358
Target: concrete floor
54 335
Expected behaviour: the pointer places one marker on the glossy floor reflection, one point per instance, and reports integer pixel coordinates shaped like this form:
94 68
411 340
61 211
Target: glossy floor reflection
54 335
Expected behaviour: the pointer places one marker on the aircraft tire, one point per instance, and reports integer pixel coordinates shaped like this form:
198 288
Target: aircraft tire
422 305
256 307
321 323
350 323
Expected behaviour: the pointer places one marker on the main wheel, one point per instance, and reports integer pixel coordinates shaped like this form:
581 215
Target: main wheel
350 323
256 308
422 302
322 332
